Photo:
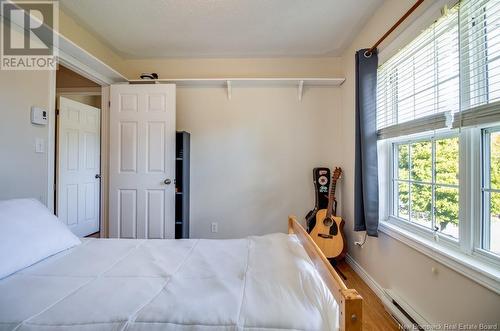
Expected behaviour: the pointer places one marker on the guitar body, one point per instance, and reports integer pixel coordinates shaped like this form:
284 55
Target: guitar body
328 234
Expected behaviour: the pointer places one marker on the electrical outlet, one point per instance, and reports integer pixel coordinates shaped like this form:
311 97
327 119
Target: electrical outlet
215 227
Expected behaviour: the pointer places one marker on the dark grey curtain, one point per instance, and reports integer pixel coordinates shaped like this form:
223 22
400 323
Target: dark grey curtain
366 168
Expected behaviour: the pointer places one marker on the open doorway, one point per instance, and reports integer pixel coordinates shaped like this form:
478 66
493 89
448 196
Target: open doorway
78 152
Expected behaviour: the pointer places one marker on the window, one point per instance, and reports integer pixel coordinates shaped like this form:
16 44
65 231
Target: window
422 79
491 191
438 115
425 182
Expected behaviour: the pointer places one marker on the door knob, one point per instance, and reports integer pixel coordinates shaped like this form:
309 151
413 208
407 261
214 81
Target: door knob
167 181
97 176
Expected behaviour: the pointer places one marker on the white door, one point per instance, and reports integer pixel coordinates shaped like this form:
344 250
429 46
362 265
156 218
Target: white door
78 166
142 161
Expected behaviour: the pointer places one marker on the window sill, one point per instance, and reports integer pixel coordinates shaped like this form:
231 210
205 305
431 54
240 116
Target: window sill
484 273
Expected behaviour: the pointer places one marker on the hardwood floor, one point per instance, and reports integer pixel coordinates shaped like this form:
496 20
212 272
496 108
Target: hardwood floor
94 235
375 318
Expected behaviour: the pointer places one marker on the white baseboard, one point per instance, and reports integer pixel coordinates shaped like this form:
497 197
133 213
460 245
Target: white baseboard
386 297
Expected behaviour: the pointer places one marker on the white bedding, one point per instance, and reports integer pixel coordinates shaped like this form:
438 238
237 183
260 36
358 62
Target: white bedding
257 283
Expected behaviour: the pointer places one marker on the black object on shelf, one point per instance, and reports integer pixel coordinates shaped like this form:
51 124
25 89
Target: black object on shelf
182 150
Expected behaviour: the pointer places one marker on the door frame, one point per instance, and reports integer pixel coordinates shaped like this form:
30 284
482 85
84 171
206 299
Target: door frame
103 152
98 72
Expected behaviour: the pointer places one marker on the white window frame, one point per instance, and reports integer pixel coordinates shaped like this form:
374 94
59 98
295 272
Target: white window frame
422 230
484 202
466 255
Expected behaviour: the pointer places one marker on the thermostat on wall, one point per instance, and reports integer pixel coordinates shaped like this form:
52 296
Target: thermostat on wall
38 116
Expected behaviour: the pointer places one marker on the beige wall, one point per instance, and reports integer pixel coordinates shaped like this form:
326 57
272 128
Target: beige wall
91 100
66 78
235 67
75 32
23 173
443 297
252 156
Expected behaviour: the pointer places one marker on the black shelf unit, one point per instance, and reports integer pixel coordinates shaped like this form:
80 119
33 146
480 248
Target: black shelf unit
182 151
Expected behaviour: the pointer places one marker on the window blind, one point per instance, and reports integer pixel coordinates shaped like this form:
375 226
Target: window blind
421 80
480 62
445 76
480 52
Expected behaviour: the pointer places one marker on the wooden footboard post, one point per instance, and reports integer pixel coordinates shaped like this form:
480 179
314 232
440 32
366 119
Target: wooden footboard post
351 310
349 301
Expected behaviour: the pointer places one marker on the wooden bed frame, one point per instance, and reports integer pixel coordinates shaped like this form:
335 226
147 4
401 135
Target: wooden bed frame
350 302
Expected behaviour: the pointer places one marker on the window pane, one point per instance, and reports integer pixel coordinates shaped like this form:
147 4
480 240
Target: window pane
421 197
403 197
421 161
491 195
446 206
494 226
403 161
495 160
447 161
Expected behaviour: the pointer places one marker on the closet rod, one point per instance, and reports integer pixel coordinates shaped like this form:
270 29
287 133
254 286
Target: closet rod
368 53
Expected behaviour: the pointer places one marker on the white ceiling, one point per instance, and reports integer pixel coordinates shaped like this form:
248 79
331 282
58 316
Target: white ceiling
223 28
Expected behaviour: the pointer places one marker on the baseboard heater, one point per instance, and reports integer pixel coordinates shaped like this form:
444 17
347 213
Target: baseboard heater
402 312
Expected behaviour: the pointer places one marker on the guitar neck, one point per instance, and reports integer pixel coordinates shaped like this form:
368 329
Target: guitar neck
331 198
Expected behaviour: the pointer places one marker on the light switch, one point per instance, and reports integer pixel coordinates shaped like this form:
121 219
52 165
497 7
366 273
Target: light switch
39 145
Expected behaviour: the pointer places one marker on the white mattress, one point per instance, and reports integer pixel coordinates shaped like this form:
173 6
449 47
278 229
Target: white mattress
257 283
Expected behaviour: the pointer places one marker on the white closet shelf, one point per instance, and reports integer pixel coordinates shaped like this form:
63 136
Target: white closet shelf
244 81
229 83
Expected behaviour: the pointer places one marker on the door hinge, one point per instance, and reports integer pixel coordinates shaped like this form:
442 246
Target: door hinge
109 104
57 112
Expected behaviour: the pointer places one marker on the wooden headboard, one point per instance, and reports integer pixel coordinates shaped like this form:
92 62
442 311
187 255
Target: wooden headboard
350 302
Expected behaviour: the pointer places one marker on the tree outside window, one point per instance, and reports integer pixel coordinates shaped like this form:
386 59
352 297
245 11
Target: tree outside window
427 184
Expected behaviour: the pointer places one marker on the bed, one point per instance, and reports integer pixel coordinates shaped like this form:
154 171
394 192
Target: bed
271 282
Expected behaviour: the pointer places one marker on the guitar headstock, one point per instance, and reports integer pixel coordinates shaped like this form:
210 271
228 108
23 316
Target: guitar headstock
337 173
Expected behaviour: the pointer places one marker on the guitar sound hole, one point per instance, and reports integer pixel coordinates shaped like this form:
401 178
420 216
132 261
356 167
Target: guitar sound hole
334 229
328 222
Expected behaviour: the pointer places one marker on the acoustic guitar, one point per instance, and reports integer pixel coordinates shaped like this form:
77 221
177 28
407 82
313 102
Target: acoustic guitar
328 232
